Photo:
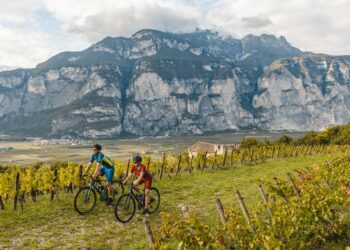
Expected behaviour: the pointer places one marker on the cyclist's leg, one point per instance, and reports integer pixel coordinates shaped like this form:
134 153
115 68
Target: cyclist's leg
101 172
148 185
109 177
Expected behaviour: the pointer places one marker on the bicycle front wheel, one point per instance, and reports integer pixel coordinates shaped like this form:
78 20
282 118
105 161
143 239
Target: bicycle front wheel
85 200
117 189
154 202
125 208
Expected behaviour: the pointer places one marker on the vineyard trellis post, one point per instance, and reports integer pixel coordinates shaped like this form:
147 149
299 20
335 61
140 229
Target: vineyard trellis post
232 151
127 168
149 233
265 198
53 190
148 163
16 191
191 163
251 155
162 169
204 161
244 210
224 161
296 190
242 156
178 166
273 152
278 151
221 211
2 206
214 160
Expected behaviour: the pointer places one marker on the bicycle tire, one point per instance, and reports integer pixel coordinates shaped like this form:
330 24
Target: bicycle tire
121 206
153 206
117 188
80 192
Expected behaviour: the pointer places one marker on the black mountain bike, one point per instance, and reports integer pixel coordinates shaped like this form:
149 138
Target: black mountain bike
125 206
85 199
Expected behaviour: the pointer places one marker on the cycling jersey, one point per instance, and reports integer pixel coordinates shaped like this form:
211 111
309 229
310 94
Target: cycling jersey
101 158
141 172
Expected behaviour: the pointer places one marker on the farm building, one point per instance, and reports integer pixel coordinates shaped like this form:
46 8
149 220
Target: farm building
209 147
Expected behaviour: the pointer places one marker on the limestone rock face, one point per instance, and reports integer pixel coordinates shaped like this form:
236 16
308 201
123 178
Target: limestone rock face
304 93
156 83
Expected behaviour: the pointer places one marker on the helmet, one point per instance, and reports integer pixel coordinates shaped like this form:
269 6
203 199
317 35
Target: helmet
137 158
97 146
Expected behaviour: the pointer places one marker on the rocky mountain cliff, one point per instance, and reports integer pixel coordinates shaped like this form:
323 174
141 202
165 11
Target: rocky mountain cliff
157 83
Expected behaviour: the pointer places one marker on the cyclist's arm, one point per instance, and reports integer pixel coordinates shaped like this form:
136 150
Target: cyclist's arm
97 169
87 168
128 177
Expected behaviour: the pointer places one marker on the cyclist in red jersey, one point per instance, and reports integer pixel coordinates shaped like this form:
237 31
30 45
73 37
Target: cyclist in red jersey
143 177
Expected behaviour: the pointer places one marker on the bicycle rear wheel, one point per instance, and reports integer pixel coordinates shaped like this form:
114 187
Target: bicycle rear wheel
85 200
117 189
154 202
125 208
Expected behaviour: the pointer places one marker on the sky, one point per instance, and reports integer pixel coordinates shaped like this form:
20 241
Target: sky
31 31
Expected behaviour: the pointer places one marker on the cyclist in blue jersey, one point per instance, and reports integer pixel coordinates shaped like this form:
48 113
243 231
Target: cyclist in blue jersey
104 167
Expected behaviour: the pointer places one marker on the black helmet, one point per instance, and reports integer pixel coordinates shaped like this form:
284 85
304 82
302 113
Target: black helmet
137 158
97 146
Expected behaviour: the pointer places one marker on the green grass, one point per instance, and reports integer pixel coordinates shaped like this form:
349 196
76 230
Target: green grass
46 224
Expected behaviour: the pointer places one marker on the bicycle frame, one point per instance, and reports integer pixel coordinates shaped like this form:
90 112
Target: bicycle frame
92 185
132 194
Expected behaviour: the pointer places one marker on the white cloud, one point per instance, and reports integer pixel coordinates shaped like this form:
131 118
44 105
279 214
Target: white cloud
122 18
319 25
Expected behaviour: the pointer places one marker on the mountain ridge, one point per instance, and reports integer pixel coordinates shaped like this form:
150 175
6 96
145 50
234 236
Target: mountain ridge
158 83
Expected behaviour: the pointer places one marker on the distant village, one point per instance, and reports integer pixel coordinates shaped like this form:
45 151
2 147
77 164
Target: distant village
72 142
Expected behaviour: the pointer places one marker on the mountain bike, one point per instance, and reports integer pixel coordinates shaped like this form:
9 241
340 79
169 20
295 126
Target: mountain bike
85 199
125 206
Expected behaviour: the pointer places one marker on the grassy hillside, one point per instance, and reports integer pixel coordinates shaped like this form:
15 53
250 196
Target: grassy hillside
55 224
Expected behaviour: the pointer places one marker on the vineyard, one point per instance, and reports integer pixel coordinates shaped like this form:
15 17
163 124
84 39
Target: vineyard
18 182
311 213
306 208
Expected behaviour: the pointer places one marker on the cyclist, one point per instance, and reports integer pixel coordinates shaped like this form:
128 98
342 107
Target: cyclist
104 167
143 177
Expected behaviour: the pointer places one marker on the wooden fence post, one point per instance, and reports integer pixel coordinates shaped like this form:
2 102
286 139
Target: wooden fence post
16 191
214 161
162 169
278 151
244 210
242 156
53 192
301 151
191 163
149 233
127 168
291 152
205 160
278 185
2 206
258 155
251 155
221 211
265 198
273 152
296 190
178 165
149 162
231 160
224 161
